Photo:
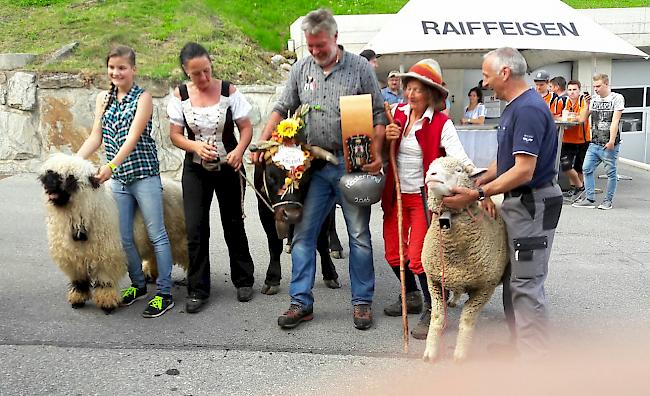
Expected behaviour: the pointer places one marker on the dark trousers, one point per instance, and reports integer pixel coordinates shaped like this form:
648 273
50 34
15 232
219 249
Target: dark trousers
274 271
198 187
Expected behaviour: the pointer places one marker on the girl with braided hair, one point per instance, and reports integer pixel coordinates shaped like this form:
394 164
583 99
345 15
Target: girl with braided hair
123 124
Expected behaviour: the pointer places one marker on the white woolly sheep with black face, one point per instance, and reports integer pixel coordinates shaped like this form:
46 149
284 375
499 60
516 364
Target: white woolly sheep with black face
84 235
472 254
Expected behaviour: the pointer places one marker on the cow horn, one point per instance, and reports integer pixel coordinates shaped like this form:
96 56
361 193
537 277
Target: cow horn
321 153
262 145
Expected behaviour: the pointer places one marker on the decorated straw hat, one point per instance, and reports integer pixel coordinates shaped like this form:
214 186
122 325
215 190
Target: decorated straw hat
428 71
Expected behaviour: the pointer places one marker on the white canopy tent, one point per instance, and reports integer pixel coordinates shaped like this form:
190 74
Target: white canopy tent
459 33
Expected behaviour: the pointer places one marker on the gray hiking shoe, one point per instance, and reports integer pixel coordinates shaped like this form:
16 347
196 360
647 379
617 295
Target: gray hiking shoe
421 330
413 304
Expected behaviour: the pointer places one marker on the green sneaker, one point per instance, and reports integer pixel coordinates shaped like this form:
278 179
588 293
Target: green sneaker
158 305
132 294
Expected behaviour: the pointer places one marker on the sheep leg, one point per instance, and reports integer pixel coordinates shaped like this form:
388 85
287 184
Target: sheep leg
79 292
106 296
437 321
455 298
150 269
469 315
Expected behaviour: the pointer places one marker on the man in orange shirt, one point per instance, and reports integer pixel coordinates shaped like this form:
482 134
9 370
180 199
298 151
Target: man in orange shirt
542 87
558 87
575 141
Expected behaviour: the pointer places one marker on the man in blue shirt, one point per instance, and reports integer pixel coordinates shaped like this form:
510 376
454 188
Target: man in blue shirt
525 172
393 93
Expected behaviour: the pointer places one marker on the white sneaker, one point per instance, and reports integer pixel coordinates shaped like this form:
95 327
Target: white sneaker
584 203
606 205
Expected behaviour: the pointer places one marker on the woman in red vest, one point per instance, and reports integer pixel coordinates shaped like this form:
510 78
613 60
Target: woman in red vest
423 133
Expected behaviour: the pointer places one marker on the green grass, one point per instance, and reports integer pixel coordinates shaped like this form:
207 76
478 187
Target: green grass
156 29
236 32
267 22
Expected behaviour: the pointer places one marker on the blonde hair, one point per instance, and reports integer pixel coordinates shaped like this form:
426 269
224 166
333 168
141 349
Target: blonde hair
601 77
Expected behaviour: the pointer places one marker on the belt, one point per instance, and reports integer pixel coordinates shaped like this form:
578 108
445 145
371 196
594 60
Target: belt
519 191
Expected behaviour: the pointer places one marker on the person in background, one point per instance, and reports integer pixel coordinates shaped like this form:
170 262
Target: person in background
423 133
475 110
575 141
558 86
542 87
393 93
208 109
524 172
123 124
558 104
332 72
371 57
606 109
447 110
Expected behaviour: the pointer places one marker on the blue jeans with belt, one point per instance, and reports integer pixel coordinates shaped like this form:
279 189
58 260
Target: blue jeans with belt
145 194
323 194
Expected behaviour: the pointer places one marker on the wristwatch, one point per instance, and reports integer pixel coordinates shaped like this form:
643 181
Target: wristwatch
481 194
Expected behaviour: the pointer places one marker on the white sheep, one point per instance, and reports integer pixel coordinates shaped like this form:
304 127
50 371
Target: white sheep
474 251
84 235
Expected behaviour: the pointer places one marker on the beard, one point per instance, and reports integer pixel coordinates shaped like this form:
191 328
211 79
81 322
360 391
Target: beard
326 61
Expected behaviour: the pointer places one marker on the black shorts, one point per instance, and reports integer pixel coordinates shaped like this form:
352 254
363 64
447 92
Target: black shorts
572 156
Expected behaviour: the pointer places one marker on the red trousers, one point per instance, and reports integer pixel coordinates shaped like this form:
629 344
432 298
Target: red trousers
414 228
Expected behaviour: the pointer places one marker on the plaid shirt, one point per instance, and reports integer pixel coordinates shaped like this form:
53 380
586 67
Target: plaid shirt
116 121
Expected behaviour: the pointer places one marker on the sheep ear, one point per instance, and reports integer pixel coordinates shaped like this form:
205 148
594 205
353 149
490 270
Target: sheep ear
94 182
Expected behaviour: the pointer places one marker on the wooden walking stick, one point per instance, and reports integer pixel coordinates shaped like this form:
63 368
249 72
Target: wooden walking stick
400 236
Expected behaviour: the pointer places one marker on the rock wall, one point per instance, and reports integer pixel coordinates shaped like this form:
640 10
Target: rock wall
49 113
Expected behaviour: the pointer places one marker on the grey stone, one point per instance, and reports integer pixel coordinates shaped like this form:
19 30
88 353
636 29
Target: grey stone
285 67
170 157
3 78
278 59
22 91
61 53
101 81
3 94
157 89
255 115
19 139
61 80
15 61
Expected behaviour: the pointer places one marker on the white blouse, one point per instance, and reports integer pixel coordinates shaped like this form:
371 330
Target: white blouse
477 112
409 153
239 107
208 120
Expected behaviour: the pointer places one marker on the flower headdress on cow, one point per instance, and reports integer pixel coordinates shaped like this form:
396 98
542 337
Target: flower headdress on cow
286 150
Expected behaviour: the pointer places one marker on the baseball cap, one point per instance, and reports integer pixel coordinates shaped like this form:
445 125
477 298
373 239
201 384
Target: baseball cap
369 54
393 73
542 75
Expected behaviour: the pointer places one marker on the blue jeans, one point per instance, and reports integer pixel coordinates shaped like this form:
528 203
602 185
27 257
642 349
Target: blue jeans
145 194
595 155
323 194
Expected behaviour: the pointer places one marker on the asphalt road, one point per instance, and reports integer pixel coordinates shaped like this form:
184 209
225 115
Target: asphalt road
597 288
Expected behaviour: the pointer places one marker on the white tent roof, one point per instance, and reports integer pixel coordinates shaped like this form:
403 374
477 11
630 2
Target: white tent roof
460 32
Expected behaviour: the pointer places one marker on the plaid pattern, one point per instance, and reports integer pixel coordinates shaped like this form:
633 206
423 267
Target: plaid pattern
116 121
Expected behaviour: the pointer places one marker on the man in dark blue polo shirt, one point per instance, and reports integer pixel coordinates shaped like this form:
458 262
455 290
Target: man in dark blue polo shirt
525 172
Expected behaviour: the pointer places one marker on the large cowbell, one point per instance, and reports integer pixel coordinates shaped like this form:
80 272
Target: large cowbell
358 187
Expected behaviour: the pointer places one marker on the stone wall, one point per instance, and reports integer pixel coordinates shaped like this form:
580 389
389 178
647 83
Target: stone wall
49 113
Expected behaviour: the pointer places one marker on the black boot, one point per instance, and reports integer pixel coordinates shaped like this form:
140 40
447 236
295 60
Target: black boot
413 297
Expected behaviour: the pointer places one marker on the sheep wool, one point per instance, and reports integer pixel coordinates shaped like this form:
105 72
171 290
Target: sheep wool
83 231
474 251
